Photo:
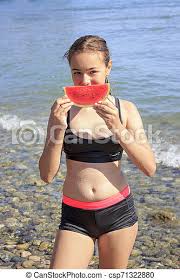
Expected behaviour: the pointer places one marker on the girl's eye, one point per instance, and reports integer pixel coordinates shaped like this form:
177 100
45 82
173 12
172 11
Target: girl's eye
93 72
77 73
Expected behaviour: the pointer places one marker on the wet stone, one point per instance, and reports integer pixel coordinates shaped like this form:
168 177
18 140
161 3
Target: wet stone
19 266
36 242
38 183
151 259
163 215
132 264
167 262
25 254
150 252
10 242
9 264
35 258
6 256
44 246
176 251
21 166
177 181
11 221
167 179
94 263
27 264
15 199
41 265
157 265
16 259
23 246
136 252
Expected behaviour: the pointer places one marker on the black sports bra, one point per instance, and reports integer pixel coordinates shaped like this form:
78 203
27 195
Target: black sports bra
100 150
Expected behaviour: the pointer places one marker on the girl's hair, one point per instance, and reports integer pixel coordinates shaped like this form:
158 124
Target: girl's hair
89 43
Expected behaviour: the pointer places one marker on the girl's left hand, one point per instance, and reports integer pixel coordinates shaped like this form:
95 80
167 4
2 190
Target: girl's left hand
109 112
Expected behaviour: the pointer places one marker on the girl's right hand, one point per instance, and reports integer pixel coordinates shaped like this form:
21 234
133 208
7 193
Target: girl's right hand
59 111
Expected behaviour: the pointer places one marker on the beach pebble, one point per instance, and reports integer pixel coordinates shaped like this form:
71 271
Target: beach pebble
168 262
132 264
15 199
35 258
21 195
136 252
167 179
23 246
17 259
41 265
177 251
44 246
27 264
163 215
10 242
177 181
155 265
150 199
21 166
152 259
6 256
11 221
38 183
94 263
36 242
25 254
18 266
150 252
2 226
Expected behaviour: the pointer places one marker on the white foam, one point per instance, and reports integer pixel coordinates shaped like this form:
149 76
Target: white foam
13 122
10 122
167 154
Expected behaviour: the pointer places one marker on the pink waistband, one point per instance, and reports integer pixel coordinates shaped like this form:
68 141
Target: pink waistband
97 204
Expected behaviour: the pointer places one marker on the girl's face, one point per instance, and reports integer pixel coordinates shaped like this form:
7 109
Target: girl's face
88 68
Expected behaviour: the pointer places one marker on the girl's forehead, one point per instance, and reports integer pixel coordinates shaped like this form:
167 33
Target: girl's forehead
90 59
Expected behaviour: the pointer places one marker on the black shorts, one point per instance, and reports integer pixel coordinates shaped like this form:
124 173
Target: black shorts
94 223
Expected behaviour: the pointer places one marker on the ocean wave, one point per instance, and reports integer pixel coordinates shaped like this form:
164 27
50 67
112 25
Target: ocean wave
9 122
167 154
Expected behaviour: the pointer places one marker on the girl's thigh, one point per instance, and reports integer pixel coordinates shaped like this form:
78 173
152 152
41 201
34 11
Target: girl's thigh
72 250
115 247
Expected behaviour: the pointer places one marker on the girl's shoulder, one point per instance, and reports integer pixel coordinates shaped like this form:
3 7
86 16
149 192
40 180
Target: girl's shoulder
131 114
127 107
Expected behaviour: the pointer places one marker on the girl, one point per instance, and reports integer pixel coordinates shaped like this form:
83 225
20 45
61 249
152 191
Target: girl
97 202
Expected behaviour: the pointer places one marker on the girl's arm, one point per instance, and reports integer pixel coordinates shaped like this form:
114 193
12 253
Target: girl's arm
134 141
132 137
49 162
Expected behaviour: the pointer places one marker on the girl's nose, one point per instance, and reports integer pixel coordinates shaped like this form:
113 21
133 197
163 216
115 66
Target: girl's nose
86 80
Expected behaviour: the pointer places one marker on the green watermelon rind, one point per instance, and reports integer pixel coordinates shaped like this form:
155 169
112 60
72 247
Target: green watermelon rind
88 88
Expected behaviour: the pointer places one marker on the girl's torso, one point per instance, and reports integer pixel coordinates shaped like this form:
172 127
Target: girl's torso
87 181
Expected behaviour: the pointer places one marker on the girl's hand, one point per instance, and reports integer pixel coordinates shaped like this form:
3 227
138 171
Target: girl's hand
58 115
110 114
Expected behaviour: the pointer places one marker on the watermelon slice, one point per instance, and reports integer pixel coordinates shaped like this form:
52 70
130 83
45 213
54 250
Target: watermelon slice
86 96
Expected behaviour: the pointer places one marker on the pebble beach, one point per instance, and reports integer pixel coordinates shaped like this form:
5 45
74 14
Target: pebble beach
30 212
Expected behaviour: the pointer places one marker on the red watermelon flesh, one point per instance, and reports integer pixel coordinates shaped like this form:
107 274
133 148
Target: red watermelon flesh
84 96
